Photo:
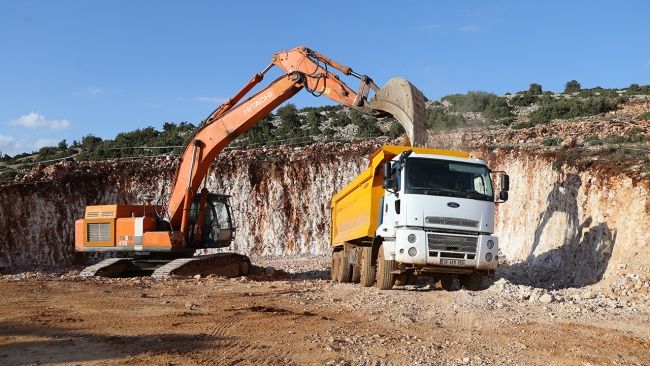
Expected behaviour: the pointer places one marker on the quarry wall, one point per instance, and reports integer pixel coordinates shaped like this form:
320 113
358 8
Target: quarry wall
561 224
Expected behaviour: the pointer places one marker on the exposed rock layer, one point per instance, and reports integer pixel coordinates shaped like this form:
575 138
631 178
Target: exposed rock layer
561 225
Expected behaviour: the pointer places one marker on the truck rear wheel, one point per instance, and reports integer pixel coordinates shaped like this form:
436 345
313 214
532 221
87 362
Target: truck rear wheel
366 270
356 273
335 266
344 274
385 279
472 282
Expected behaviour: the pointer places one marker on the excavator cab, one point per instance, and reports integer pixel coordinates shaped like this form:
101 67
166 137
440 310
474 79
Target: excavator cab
217 230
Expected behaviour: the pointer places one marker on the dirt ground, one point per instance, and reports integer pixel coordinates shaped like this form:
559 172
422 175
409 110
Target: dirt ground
292 314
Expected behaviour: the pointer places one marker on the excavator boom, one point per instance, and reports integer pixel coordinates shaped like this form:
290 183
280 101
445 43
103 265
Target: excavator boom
305 69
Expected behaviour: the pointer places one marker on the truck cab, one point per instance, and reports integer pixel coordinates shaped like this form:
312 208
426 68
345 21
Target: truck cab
438 211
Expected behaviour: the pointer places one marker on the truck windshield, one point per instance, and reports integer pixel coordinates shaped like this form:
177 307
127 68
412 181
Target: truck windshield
440 177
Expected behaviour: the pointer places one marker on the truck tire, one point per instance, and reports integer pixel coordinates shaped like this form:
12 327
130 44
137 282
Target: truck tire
472 282
335 266
367 278
413 279
344 269
447 283
356 273
385 279
406 280
401 280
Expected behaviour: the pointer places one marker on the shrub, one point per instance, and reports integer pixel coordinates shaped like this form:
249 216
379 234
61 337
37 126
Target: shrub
552 142
572 87
635 89
535 89
473 101
439 121
497 108
645 116
524 100
593 141
569 108
396 129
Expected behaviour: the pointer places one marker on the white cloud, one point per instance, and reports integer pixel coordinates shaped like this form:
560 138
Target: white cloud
211 100
470 28
95 91
9 145
35 120
45 142
647 64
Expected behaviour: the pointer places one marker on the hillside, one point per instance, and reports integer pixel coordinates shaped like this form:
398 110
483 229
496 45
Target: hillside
609 124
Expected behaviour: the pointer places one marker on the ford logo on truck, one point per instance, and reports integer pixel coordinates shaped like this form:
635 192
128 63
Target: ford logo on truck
453 204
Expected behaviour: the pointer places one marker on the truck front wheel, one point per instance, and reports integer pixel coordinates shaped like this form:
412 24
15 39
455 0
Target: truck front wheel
472 282
385 279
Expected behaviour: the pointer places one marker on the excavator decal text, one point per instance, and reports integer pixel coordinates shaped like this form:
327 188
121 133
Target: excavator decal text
258 102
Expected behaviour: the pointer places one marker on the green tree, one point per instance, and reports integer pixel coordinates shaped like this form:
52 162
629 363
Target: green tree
535 89
572 87
290 129
314 119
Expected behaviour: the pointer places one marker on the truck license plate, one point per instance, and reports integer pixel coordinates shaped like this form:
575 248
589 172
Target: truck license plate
452 262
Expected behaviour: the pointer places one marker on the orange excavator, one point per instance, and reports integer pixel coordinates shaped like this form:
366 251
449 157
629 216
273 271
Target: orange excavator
173 228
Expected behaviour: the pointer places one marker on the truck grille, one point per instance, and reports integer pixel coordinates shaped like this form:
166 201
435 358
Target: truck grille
451 221
99 232
451 243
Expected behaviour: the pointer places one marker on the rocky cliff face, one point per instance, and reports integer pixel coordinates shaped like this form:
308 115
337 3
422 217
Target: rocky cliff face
570 225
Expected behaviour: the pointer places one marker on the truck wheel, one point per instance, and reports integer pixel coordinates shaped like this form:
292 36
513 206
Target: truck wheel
356 273
345 274
335 266
367 271
385 279
447 283
472 282
402 280
413 279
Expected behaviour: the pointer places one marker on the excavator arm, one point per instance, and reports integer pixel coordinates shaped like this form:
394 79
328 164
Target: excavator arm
304 69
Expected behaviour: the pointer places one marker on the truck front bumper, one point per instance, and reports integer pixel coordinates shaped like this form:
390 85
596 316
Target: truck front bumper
429 248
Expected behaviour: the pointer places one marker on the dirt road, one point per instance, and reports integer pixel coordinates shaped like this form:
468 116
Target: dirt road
292 314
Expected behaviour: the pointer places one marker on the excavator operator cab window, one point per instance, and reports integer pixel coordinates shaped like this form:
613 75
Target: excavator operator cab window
217 230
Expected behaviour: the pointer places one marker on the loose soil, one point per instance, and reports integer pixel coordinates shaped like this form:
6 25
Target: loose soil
291 313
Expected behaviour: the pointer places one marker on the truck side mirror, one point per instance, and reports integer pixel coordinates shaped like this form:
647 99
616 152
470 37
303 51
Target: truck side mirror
387 181
505 183
503 196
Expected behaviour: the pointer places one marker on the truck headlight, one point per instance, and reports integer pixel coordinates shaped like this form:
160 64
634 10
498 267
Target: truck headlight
412 239
413 252
488 257
490 244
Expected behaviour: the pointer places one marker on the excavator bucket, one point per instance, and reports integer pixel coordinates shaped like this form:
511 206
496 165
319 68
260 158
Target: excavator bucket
406 103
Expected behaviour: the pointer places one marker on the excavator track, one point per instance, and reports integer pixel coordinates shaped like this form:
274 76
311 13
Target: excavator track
111 267
221 264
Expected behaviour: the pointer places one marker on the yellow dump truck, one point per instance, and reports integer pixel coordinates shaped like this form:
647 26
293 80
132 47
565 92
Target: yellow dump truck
417 212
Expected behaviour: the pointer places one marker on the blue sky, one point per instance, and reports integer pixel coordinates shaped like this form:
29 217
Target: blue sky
73 68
